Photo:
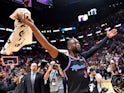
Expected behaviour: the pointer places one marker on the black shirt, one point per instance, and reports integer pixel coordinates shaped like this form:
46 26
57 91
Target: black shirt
75 69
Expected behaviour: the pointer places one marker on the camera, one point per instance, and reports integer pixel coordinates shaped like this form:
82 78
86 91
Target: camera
43 63
116 80
55 66
117 83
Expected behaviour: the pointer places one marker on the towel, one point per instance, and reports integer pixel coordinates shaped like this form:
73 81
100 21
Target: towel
22 34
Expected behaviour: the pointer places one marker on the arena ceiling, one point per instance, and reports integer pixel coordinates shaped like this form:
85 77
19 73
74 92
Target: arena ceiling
61 13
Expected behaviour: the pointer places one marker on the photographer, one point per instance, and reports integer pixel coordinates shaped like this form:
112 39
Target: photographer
55 76
5 86
117 81
95 81
41 66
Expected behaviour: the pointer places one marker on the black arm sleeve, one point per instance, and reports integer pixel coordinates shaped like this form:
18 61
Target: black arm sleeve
63 60
93 49
4 87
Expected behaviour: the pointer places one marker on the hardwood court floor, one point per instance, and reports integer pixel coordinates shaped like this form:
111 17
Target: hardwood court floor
107 84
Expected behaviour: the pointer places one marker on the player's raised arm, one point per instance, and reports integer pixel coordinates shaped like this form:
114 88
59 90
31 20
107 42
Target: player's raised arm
53 51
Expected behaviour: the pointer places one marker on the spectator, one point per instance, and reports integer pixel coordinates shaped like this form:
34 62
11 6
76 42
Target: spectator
34 82
5 86
55 76
95 81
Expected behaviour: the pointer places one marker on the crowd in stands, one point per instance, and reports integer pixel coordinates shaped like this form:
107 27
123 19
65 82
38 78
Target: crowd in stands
106 61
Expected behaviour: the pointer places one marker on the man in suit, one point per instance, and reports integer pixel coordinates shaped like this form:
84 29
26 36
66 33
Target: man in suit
34 82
